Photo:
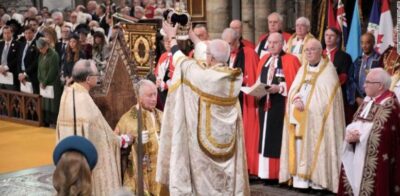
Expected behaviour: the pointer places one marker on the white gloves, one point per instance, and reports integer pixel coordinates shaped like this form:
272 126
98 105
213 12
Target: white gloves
125 141
145 136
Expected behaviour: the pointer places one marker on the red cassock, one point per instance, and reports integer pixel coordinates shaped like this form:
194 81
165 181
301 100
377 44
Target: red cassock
290 65
247 60
169 72
248 43
286 36
270 149
380 173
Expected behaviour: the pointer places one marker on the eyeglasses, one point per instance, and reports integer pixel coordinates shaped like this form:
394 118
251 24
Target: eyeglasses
371 82
311 49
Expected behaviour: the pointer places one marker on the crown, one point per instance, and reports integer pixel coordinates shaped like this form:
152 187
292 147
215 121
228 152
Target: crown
180 17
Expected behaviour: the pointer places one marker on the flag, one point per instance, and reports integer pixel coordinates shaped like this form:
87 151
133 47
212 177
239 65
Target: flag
385 32
373 24
342 21
353 47
331 15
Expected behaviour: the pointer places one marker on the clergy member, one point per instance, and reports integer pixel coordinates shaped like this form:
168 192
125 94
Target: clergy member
163 72
299 39
371 150
314 125
278 70
128 124
201 145
76 103
237 26
246 60
275 22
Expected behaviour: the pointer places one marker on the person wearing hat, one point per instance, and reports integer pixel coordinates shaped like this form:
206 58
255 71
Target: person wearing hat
79 115
74 157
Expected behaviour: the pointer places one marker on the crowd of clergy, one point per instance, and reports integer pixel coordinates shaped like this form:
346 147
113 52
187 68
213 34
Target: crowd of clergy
313 119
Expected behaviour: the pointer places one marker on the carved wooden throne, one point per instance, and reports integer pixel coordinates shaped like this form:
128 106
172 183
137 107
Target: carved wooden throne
132 58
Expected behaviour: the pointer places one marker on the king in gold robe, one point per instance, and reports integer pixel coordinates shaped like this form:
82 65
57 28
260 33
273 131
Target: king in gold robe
201 146
90 123
128 124
311 140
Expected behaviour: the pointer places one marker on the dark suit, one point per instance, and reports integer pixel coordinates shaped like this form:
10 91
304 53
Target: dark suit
103 24
13 62
31 64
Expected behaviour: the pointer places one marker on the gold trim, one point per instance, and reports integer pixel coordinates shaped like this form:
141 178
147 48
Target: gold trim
321 131
291 128
208 130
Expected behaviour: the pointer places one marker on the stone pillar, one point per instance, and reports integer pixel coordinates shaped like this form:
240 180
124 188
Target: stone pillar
262 8
281 7
218 17
248 19
236 10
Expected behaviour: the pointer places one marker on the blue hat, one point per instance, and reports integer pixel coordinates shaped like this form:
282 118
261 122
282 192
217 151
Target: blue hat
78 144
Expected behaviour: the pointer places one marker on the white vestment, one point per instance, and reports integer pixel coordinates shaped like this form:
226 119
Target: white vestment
201 145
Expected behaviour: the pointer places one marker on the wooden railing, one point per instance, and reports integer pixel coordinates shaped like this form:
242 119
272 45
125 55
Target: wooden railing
21 107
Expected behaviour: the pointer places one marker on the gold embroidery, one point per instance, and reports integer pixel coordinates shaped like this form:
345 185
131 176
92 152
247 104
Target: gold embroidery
321 131
371 159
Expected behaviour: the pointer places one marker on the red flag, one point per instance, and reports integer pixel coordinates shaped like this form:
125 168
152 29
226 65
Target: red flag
331 15
385 32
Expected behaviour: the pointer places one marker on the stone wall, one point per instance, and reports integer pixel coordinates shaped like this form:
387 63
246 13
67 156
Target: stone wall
19 5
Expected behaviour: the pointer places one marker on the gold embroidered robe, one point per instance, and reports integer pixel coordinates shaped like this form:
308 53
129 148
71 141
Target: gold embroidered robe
90 123
290 46
320 127
128 124
201 146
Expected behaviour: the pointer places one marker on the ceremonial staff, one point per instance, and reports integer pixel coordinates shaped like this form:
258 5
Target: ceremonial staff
139 150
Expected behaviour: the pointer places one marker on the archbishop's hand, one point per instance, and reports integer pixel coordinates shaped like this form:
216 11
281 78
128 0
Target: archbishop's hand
169 30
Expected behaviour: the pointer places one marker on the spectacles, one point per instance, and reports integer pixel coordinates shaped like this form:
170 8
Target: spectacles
311 49
371 82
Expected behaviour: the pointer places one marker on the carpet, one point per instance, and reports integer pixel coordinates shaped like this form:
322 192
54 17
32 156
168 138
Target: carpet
23 146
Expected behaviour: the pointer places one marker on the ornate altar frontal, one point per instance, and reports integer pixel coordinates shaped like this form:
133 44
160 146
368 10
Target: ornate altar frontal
141 41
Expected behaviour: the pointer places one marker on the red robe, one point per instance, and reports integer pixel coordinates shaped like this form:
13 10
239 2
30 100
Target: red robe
286 36
162 95
250 117
381 171
248 43
290 65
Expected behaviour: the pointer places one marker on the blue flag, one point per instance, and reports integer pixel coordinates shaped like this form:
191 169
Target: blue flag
353 46
373 24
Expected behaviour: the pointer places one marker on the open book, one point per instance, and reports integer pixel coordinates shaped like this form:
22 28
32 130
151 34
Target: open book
259 89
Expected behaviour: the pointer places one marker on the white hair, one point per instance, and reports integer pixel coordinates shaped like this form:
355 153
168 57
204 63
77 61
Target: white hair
383 77
139 8
231 32
279 36
220 50
280 18
303 20
33 10
141 84
18 17
58 13
5 18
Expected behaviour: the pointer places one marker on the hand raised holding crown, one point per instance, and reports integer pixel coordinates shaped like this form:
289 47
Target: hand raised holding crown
169 30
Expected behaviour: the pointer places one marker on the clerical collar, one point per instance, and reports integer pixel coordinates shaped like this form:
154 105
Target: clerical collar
313 65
